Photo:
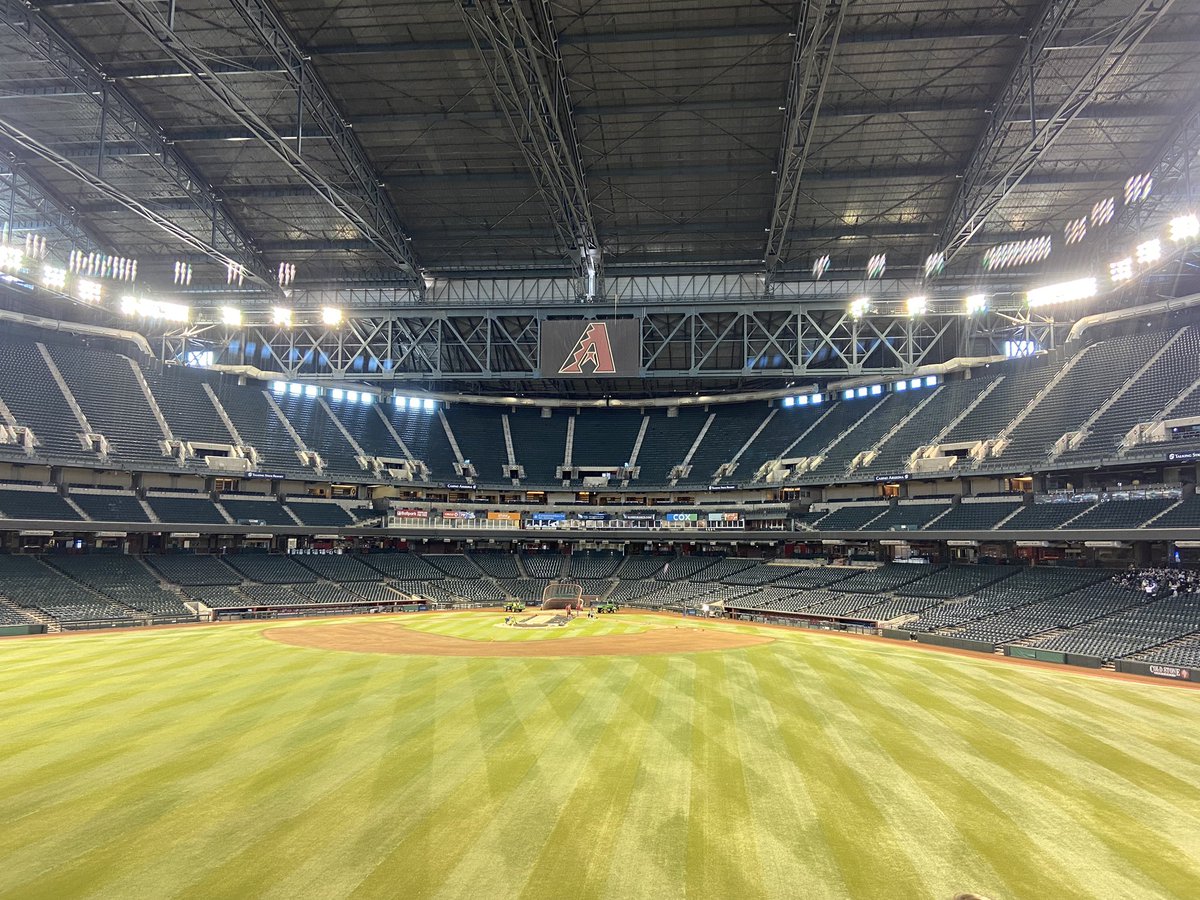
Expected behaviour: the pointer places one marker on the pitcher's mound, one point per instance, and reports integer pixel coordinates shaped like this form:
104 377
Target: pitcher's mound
389 637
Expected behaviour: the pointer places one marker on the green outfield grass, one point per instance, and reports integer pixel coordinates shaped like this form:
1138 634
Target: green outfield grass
210 762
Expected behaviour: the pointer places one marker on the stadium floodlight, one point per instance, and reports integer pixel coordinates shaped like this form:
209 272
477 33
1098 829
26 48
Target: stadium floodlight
1065 292
281 316
331 316
172 312
88 291
1184 228
789 401
860 307
231 316
820 266
1148 252
54 278
1121 270
975 303
1018 253
935 263
877 265
900 386
154 309
1075 230
1138 187
11 258
1102 212
916 305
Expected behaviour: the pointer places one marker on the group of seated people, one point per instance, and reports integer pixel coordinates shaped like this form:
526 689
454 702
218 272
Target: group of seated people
1160 582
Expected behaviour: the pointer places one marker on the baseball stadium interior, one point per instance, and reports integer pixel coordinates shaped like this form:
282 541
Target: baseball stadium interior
841 320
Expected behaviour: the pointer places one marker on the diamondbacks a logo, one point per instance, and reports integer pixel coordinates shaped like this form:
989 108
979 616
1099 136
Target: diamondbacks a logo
592 349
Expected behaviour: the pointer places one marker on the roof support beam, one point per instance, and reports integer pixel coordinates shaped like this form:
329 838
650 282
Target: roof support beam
12 136
123 118
1174 167
365 204
519 48
817 33
28 205
1002 160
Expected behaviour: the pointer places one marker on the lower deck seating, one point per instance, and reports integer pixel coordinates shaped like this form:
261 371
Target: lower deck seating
191 569
851 517
1043 516
333 515
41 504
110 507
246 510
270 568
27 582
197 510
125 580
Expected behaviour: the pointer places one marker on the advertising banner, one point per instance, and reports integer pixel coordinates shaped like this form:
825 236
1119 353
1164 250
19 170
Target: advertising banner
404 513
682 517
587 348
549 517
504 516
457 514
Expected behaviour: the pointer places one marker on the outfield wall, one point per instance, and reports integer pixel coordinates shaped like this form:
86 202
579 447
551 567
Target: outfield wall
1054 656
33 628
944 640
1158 670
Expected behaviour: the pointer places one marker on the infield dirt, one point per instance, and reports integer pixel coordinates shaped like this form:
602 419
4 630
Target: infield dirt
389 637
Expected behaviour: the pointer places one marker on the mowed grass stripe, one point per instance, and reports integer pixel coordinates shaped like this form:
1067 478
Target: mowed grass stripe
853 825
794 855
1089 778
1138 713
1073 806
517 752
118 802
1020 840
583 787
304 826
720 826
647 851
907 782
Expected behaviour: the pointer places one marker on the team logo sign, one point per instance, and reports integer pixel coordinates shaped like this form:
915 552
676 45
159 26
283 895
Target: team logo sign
591 348
593 351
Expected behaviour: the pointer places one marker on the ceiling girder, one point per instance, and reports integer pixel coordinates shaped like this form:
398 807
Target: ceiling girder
998 165
518 45
817 32
11 136
362 202
27 204
121 116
